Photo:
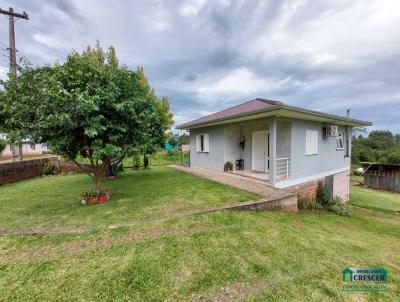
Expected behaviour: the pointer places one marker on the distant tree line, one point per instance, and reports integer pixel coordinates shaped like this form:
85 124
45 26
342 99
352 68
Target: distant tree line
380 146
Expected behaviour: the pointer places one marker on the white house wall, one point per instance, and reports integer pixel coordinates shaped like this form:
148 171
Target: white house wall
214 159
26 150
327 159
232 149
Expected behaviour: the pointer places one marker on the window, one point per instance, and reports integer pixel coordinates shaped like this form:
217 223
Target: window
311 142
33 146
339 141
202 143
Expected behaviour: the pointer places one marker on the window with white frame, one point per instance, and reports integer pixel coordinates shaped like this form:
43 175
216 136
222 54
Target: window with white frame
311 142
339 141
202 143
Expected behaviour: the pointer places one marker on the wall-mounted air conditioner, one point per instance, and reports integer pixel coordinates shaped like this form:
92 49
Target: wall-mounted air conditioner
330 131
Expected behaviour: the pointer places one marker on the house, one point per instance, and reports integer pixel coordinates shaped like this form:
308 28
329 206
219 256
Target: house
283 145
185 148
28 149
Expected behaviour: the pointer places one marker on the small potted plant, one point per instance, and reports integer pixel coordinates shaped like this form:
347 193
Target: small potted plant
104 195
89 197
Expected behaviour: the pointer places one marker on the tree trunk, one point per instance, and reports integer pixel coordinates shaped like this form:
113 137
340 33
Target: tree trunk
98 176
97 180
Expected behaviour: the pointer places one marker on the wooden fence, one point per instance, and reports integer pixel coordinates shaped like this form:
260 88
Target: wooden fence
385 180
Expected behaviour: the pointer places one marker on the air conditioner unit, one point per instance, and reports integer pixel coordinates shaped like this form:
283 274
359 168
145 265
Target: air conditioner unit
330 131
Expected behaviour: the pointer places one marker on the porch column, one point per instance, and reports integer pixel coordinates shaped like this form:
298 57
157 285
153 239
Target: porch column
272 149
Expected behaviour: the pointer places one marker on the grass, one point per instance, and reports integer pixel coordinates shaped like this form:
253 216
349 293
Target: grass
138 194
221 256
375 199
158 158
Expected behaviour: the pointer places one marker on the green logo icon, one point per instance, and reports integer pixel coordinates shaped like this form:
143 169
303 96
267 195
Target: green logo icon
364 278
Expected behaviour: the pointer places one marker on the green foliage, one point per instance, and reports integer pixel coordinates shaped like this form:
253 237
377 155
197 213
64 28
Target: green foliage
228 166
322 195
183 139
339 207
380 146
117 169
324 200
145 161
3 144
48 169
88 107
173 139
308 203
137 160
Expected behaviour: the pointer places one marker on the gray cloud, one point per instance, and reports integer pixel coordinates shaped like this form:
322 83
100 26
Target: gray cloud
205 55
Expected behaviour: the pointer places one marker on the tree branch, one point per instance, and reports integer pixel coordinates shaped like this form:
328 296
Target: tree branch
80 167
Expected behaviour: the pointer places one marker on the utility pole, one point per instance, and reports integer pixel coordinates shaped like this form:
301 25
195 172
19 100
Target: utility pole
16 154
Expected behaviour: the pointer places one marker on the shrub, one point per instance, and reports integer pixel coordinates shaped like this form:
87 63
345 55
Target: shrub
145 161
322 195
117 169
136 161
48 169
341 209
3 144
228 166
308 203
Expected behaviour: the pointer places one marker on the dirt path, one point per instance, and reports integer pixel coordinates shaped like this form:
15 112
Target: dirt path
89 245
246 205
46 230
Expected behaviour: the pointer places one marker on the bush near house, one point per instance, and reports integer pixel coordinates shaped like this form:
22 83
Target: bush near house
324 201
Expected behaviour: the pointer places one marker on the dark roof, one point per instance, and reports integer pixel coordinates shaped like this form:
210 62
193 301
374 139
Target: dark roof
253 105
260 105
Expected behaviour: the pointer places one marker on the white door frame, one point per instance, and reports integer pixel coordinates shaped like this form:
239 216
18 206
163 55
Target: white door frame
265 155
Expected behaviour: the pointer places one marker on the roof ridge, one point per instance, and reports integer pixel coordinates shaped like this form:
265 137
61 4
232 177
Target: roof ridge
217 113
271 102
221 111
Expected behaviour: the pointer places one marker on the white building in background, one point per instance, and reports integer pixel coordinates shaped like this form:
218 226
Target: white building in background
28 149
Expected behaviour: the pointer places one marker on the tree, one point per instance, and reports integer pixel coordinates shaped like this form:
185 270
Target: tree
88 107
183 139
3 145
380 146
173 140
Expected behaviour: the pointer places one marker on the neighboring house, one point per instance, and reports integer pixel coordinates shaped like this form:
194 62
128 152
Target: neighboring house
284 145
185 148
28 149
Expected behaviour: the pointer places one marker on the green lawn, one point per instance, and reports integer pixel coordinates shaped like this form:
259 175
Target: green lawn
158 158
138 194
375 199
221 256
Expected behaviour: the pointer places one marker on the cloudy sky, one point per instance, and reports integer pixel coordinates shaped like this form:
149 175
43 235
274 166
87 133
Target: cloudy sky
207 55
